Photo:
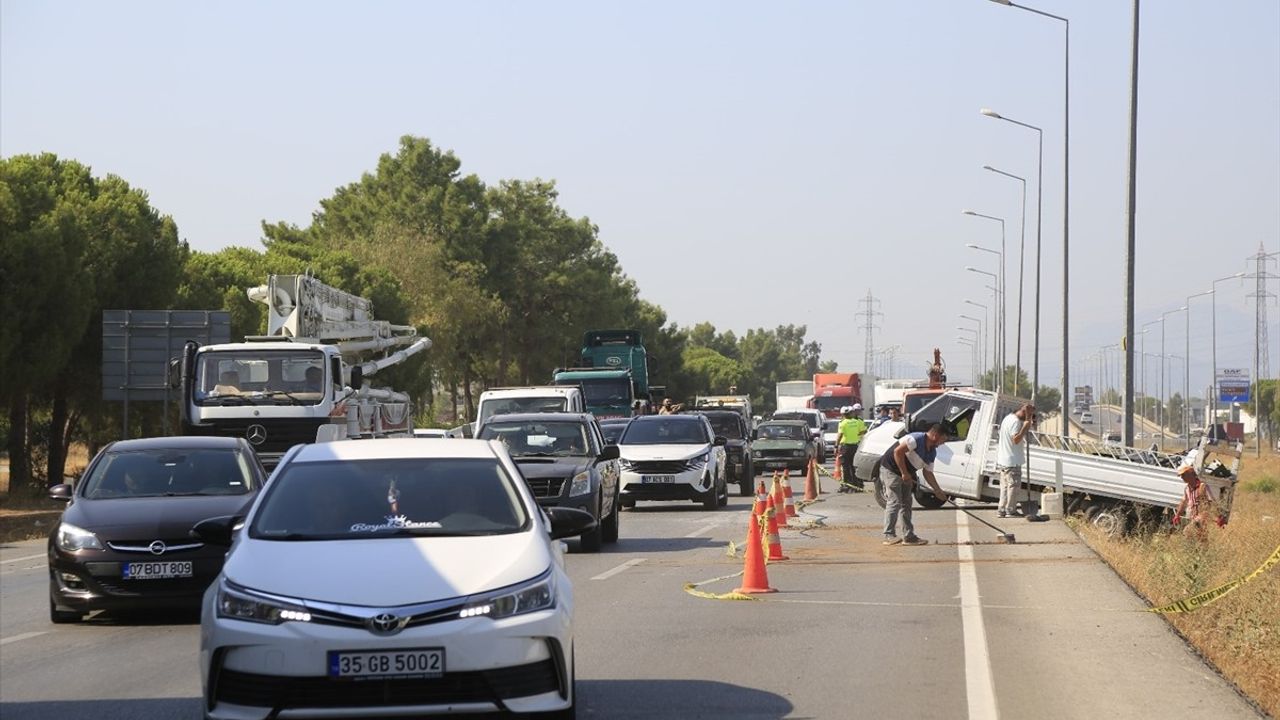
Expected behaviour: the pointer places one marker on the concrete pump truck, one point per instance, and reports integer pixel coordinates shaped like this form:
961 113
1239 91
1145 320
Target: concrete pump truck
304 381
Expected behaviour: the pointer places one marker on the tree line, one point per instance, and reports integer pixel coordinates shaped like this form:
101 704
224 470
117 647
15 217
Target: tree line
500 277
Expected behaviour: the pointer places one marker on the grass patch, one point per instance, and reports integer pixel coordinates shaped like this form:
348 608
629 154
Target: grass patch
1240 633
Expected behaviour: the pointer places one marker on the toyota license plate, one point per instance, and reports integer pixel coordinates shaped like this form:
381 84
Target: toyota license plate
156 570
381 664
658 479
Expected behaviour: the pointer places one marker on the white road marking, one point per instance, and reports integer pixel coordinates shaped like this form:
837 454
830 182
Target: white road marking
610 573
28 557
23 636
977 661
702 530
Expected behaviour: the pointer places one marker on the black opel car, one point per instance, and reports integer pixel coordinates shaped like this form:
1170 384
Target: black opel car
124 540
566 463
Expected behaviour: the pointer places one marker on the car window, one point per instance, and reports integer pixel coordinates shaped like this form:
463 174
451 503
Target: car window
152 473
810 419
513 405
558 438
356 499
728 426
782 432
947 409
665 430
612 431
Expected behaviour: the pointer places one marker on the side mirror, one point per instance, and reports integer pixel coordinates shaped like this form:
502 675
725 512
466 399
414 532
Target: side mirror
216 530
720 441
755 434
61 492
608 452
357 377
569 522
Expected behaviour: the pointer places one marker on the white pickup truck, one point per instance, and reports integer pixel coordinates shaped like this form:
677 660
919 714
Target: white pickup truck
1107 482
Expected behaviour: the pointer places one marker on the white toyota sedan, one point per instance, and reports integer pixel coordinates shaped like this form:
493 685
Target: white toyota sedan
390 578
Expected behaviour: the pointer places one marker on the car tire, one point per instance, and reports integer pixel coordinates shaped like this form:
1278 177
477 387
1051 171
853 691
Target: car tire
746 485
724 494
879 487
591 540
711 500
610 524
627 504
62 617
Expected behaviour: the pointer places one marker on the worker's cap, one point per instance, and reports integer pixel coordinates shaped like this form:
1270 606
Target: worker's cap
1185 469
845 409
856 407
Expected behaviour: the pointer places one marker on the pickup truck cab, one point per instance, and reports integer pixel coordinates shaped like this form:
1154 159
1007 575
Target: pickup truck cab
545 398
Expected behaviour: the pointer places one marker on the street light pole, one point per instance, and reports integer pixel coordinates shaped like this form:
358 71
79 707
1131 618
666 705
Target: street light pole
1022 253
1066 192
998 380
1213 400
1035 352
983 340
1130 245
980 334
1186 373
1004 297
1164 417
973 358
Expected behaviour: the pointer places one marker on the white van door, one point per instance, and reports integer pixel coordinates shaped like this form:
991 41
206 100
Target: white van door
958 461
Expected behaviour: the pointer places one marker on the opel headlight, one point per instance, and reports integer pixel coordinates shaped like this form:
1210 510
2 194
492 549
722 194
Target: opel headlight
238 603
581 484
72 538
537 594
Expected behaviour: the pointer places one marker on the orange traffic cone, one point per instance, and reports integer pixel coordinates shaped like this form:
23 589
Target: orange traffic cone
755 578
789 502
771 532
762 496
811 484
838 475
779 502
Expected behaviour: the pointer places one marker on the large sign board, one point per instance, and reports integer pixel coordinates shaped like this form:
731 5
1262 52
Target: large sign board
1233 385
138 344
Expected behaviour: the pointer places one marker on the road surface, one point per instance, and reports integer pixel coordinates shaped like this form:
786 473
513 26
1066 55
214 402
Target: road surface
1038 629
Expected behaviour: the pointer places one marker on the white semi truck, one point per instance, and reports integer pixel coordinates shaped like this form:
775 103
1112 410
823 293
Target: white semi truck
1108 483
794 394
305 379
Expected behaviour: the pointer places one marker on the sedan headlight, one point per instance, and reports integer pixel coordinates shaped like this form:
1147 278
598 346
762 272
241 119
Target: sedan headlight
72 538
239 604
537 594
797 453
581 484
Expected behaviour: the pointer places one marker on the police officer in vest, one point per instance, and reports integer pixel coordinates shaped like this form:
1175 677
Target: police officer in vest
848 434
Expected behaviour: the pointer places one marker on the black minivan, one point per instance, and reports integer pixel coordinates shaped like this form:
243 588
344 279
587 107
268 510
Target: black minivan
124 541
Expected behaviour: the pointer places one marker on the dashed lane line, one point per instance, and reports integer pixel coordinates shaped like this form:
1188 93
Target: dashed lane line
977 660
22 636
614 571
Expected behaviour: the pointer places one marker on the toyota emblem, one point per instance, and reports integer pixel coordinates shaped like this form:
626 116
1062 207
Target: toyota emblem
157 548
386 624
256 434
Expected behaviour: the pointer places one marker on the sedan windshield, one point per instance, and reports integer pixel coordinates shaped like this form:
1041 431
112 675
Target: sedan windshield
665 431
153 473
356 499
539 438
783 432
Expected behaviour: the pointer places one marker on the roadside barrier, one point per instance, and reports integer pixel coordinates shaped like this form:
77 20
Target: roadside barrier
1195 602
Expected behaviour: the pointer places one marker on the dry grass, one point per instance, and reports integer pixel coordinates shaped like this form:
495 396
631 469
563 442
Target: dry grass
1240 633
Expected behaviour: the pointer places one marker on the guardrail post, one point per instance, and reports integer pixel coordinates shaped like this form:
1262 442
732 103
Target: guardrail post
1057 477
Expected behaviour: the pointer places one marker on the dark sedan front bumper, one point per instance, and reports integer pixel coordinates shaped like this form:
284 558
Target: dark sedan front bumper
91 580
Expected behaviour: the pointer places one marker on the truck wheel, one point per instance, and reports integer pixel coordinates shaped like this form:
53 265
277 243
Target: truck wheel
928 500
1110 519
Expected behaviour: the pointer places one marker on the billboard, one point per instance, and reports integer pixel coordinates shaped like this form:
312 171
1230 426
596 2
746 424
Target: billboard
1233 385
138 344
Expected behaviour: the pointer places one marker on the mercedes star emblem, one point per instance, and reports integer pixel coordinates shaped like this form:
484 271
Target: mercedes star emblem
157 547
386 623
256 434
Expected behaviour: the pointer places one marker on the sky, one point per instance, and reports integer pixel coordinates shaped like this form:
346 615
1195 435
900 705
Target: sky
751 164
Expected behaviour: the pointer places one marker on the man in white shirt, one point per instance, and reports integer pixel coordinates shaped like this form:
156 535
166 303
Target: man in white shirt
1011 454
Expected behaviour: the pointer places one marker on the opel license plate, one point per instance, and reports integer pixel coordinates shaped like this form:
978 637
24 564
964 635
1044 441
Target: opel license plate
381 664
658 479
156 570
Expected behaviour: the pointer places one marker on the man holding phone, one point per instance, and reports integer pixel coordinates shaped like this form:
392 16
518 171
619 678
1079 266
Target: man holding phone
1011 454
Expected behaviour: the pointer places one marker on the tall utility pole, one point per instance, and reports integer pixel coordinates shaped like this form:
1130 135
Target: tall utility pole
1126 430
869 313
1261 344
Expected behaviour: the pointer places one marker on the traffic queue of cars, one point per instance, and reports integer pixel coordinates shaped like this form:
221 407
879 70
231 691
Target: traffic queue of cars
370 578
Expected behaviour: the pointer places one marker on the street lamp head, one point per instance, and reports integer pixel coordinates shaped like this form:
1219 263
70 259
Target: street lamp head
1002 2
971 245
967 212
988 111
971 268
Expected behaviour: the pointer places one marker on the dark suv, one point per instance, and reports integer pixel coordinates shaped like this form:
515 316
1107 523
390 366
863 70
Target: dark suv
733 428
566 463
124 540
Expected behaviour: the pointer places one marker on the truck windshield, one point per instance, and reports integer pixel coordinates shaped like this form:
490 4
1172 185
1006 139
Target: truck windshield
260 377
830 403
510 405
611 391
726 426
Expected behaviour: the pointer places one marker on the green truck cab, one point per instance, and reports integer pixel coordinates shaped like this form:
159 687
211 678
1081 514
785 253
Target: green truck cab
613 371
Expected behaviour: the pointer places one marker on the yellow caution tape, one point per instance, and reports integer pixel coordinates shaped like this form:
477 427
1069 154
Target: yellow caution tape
1196 602
842 481
692 589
